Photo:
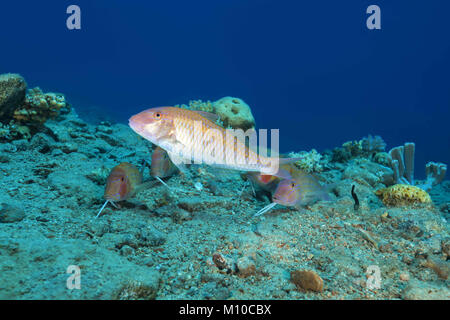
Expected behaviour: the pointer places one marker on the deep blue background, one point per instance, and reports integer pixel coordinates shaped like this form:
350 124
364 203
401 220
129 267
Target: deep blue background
310 68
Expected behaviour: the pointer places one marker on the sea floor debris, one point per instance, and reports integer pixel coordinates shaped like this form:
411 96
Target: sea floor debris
203 243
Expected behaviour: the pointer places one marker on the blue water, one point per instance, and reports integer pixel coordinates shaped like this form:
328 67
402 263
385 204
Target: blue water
310 68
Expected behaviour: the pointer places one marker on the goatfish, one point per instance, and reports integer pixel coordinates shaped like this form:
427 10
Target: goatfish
162 166
263 181
269 182
123 182
187 134
301 190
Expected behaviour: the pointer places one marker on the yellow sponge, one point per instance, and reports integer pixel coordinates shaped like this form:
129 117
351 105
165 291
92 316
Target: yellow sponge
403 195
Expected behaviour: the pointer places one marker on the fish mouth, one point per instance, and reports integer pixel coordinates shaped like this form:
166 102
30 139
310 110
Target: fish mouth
135 124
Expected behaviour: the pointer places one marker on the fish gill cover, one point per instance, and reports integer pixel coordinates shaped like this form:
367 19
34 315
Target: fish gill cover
358 93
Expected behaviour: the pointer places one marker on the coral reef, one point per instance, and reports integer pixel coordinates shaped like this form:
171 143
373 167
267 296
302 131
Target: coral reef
403 195
310 162
22 113
39 106
435 174
367 147
198 238
372 144
401 160
234 113
402 163
12 94
13 131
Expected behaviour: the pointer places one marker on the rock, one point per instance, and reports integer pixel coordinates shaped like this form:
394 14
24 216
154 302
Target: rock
234 113
441 268
42 143
151 237
12 93
212 291
180 215
223 262
69 147
144 287
57 131
245 267
73 183
126 251
10 214
307 280
404 276
419 290
127 240
4 159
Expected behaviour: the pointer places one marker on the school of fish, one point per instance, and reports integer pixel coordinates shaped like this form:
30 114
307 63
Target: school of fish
180 134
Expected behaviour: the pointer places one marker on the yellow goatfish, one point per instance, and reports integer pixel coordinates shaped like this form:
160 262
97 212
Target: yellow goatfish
189 135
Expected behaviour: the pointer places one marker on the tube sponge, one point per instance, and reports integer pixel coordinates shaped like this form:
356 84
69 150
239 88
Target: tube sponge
435 174
403 163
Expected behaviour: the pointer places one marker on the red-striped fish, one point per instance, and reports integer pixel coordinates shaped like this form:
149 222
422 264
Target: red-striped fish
123 182
162 166
301 190
189 136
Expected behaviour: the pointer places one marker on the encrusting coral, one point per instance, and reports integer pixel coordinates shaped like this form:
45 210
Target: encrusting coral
403 195
22 113
234 113
39 106
12 93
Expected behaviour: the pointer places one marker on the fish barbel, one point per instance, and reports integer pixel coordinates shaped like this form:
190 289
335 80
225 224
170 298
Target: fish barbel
189 136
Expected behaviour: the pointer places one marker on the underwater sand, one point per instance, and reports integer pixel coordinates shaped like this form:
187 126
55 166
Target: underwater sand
160 244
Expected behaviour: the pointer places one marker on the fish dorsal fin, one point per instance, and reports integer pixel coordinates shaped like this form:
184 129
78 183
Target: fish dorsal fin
208 115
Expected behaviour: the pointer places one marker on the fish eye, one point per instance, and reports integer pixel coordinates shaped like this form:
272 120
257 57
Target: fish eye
122 179
293 185
158 115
